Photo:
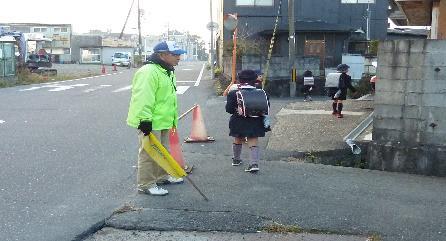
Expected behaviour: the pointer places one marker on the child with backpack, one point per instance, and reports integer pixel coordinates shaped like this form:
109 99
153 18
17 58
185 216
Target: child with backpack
337 84
308 85
249 107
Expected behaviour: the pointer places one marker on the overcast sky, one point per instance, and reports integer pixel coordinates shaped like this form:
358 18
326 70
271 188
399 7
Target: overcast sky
110 14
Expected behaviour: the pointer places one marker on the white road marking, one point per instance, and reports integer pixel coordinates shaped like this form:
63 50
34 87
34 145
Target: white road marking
65 87
284 112
122 89
185 81
61 88
182 89
186 69
96 88
2 121
32 88
197 83
57 87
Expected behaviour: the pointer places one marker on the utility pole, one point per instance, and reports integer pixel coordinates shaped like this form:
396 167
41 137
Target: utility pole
139 33
292 47
369 14
211 52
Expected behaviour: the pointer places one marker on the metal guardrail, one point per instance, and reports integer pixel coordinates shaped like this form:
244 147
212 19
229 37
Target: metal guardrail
350 137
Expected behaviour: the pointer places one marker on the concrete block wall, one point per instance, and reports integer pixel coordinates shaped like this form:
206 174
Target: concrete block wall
410 106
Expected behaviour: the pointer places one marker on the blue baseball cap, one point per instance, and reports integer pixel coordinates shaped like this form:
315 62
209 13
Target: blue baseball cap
168 46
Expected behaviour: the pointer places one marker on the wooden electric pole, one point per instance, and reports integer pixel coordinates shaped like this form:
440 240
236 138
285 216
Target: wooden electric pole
292 48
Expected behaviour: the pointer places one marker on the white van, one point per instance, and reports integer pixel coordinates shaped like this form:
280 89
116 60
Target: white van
122 59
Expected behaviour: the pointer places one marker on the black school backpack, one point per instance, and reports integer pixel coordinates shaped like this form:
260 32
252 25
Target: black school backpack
252 102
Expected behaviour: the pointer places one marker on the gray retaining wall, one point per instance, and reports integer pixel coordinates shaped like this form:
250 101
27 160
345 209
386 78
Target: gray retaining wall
409 126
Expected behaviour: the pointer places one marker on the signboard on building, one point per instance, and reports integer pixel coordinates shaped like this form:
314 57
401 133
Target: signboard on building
113 42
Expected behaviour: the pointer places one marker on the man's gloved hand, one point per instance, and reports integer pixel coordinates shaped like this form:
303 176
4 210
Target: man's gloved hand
145 127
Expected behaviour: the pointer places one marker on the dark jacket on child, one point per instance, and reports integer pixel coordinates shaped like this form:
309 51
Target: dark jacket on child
240 126
345 81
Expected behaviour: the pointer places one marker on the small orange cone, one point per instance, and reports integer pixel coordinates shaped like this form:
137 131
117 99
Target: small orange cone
198 131
175 150
103 69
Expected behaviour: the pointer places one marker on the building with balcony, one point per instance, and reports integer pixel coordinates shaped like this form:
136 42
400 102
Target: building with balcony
60 34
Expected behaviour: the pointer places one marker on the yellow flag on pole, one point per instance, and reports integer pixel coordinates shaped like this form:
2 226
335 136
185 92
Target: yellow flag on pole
161 156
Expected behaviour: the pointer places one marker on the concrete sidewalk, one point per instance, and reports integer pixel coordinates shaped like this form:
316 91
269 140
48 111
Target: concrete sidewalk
336 203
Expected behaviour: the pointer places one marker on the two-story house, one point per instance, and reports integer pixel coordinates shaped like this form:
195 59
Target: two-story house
323 30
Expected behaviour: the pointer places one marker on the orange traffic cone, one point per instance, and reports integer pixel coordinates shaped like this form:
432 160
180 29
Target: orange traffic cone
175 150
114 68
198 131
103 69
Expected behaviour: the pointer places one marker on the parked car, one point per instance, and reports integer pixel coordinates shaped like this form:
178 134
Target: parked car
122 59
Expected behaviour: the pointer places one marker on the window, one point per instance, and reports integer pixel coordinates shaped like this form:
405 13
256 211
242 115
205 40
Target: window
90 55
64 30
66 51
39 30
56 30
254 2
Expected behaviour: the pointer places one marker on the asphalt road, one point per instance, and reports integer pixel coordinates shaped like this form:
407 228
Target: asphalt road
67 157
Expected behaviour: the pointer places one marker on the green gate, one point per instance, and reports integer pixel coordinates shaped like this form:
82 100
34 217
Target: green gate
7 60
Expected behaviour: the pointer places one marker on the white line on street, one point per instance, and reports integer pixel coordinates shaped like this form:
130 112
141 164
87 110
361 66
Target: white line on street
2 121
185 81
122 89
32 88
55 84
64 87
186 69
96 88
46 86
197 83
61 88
182 89
284 112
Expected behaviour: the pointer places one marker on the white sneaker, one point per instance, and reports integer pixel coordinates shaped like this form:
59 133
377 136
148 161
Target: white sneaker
154 190
173 180
170 180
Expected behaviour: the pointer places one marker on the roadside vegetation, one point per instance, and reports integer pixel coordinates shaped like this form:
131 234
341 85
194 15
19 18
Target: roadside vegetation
280 228
27 78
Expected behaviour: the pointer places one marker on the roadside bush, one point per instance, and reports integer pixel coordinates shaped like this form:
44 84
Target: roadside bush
4 83
221 83
362 87
218 71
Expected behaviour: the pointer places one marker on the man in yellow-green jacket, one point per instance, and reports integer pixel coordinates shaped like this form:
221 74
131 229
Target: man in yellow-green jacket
153 109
